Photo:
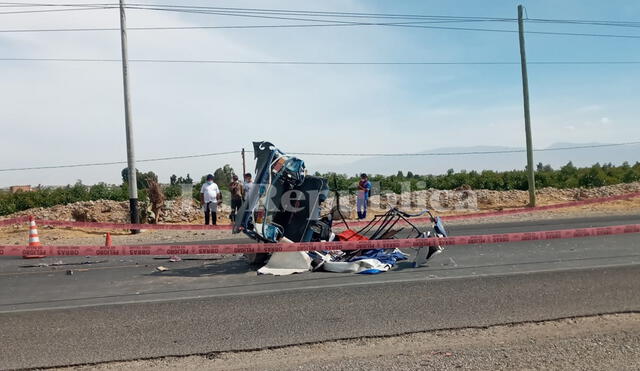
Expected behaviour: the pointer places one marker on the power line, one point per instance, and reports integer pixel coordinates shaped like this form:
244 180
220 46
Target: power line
327 154
327 23
393 16
57 10
157 28
586 22
276 14
310 13
269 15
230 10
549 33
220 61
306 13
91 164
462 153
339 14
10 4
160 28
318 13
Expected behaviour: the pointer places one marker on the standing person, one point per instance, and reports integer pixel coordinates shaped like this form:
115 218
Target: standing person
364 190
248 183
210 196
237 193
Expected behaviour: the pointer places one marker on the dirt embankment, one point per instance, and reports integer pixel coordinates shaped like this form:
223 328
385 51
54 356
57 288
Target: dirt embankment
468 200
107 211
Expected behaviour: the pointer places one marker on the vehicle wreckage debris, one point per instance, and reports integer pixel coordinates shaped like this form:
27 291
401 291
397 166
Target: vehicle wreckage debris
286 208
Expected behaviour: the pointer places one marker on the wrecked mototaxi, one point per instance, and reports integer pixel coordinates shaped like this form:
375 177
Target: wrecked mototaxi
284 205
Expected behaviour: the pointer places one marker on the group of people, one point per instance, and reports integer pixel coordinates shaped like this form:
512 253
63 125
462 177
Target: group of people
211 197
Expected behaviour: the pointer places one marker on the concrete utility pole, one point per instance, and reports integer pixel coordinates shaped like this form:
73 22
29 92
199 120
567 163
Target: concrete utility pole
131 159
244 166
527 116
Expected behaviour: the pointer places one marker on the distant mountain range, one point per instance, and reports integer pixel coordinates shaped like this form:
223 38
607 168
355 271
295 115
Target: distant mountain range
432 163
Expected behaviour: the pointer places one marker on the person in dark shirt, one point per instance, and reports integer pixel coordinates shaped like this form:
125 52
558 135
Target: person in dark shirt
364 190
237 193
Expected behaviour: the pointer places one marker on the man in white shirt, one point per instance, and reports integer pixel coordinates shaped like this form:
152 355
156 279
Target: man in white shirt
210 196
247 184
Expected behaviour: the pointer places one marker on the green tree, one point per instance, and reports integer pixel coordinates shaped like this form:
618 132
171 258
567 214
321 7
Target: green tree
594 177
141 178
222 176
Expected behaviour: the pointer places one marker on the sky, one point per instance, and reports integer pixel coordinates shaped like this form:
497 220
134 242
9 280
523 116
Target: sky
60 113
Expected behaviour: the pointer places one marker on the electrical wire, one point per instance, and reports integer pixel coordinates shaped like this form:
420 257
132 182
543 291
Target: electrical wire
58 10
118 162
222 61
310 13
406 24
256 14
590 146
163 28
462 153
401 16
281 14
9 4
585 22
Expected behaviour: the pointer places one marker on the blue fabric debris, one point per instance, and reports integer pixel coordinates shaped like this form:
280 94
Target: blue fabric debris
386 256
372 271
384 260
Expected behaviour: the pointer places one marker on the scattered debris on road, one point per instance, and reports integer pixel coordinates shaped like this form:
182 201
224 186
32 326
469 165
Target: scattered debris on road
61 263
188 258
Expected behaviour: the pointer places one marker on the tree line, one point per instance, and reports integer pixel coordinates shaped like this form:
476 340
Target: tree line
42 196
567 176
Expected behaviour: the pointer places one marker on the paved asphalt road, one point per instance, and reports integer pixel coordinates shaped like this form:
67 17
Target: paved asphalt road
124 310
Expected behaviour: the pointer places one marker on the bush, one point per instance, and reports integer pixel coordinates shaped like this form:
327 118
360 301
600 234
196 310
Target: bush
47 197
173 191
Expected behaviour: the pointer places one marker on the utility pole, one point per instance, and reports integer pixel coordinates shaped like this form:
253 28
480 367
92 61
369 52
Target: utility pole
131 159
244 166
527 116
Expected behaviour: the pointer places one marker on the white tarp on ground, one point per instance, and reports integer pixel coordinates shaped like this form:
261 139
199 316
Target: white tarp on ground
355 266
283 263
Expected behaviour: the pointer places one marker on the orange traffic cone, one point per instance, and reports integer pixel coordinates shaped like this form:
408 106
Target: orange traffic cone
108 241
34 240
